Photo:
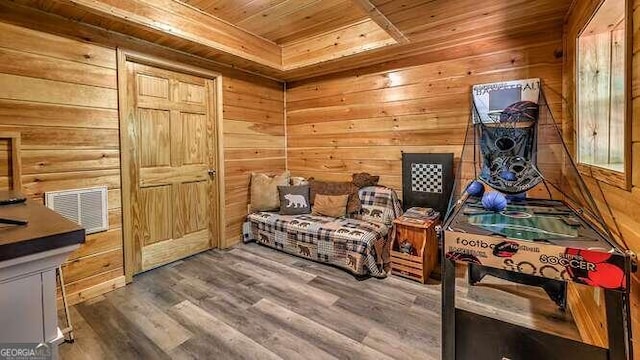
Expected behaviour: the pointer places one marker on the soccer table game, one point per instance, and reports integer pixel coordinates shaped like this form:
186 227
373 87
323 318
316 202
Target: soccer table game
512 218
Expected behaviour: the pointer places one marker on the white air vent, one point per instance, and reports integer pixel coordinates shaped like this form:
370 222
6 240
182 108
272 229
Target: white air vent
86 207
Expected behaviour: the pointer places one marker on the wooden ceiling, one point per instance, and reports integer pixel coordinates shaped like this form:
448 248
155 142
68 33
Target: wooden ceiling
439 30
283 21
298 39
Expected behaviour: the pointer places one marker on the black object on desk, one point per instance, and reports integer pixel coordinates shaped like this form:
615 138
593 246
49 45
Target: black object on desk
10 198
42 229
13 221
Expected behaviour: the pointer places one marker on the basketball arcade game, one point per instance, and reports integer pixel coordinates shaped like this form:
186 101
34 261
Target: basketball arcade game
537 224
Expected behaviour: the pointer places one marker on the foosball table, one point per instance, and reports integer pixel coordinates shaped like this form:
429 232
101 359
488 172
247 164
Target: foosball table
535 240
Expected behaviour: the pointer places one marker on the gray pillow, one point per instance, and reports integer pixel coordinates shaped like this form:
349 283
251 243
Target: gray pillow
294 200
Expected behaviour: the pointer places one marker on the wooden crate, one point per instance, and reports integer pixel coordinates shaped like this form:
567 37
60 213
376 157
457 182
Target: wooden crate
422 236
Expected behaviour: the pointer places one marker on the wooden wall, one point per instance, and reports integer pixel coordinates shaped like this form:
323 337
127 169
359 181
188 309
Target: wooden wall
61 95
254 141
364 120
619 207
64 104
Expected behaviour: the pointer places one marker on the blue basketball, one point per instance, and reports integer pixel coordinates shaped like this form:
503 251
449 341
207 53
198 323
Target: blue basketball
494 201
475 188
508 175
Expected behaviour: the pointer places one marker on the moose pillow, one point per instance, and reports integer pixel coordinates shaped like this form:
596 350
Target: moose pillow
294 200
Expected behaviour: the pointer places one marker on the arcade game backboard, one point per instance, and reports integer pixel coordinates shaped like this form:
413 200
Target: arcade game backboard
548 229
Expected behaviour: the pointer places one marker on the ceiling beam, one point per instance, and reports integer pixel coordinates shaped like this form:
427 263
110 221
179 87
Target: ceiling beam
365 35
382 21
484 40
60 24
174 19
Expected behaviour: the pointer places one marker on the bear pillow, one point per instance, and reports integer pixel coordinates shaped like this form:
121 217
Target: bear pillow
294 200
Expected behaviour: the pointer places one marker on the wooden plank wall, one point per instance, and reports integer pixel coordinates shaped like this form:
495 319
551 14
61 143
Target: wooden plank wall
364 120
64 104
253 140
620 208
61 95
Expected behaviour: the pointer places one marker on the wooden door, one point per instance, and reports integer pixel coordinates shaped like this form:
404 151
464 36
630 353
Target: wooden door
170 131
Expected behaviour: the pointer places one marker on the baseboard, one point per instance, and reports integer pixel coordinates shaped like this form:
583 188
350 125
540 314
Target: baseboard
93 291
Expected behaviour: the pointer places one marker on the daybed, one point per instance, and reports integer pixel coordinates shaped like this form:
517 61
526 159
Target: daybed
359 244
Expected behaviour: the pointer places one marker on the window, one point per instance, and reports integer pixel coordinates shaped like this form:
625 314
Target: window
602 87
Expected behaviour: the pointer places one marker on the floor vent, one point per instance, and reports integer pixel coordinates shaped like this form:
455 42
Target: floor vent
87 207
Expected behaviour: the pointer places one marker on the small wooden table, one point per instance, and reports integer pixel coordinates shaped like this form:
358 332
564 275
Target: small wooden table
424 257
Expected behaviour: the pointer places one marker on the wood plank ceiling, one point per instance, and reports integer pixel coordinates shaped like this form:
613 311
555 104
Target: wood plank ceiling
284 21
297 39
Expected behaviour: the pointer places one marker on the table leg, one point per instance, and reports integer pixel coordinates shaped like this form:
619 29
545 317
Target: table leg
618 325
448 309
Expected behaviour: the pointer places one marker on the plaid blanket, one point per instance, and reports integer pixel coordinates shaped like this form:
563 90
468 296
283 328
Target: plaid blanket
360 245
379 204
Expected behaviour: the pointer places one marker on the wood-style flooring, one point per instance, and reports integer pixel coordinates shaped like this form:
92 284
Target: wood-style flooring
252 302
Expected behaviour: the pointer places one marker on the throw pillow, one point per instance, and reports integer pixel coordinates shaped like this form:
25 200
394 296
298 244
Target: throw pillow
336 188
298 180
264 191
364 179
330 205
294 200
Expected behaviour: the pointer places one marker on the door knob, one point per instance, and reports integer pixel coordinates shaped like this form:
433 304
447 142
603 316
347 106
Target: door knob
211 172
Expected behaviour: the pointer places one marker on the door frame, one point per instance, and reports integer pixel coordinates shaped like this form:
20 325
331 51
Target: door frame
124 56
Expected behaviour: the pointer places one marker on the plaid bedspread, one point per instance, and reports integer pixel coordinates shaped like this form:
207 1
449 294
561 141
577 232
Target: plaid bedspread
360 245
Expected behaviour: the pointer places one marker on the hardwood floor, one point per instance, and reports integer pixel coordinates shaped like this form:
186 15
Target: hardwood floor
252 302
